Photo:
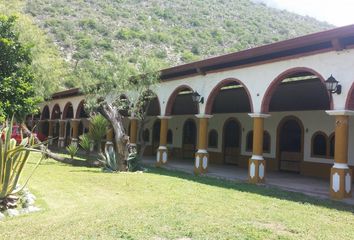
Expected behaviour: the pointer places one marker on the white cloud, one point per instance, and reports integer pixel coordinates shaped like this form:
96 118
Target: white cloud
338 12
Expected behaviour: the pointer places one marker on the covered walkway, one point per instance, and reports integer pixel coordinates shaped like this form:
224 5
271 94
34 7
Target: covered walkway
286 181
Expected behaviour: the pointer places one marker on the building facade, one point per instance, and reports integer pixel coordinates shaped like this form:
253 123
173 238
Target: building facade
265 109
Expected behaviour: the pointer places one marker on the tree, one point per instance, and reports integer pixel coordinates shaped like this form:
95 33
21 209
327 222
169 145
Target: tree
17 92
110 79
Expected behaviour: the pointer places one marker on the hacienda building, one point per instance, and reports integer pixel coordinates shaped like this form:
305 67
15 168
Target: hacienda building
287 106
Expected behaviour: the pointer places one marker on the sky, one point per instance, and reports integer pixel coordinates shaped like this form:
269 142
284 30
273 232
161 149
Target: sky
336 12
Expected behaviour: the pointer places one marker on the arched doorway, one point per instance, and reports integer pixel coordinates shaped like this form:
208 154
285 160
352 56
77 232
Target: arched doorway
290 144
297 89
156 136
232 141
56 114
189 139
68 114
181 102
44 126
83 116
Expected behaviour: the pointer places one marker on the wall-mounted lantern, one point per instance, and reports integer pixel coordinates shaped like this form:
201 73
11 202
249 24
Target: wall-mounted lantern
197 98
333 85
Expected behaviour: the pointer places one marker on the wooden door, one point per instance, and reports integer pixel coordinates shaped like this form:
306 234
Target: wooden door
232 142
189 139
290 145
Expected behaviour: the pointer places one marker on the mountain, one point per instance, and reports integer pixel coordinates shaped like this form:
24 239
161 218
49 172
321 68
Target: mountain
172 32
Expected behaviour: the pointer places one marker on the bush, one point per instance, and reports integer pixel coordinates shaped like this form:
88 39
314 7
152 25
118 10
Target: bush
109 160
133 162
72 150
98 127
85 142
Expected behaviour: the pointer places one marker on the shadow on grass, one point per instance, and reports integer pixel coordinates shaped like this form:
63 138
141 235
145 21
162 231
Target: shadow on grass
93 170
262 190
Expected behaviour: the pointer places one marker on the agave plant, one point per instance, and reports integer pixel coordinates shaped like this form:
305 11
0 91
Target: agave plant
13 158
109 160
133 162
85 142
72 150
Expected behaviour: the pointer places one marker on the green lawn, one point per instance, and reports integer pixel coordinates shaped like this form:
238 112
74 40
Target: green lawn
83 203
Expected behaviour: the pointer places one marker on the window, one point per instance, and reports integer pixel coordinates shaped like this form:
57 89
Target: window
266 142
169 136
213 139
146 135
332 141
319 144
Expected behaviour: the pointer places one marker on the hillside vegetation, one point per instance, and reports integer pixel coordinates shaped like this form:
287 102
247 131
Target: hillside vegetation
90 33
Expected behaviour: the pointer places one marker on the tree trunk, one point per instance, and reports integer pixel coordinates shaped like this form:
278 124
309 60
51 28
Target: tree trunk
121 139
54 156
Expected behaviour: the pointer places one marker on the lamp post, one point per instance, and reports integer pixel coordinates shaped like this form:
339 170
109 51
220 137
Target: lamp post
333 85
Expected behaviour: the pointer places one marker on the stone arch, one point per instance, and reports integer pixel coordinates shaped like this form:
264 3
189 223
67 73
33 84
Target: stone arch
276 82
45 113
216 90
80 111
154 107
56 112
68 111
173 96
349 104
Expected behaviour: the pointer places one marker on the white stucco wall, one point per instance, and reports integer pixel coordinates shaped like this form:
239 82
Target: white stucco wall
75 101
313 121
257 80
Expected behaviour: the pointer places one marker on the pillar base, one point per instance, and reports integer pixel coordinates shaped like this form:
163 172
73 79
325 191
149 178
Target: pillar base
161 156
50 140
341 181
61 142
256 169
201 162
74 141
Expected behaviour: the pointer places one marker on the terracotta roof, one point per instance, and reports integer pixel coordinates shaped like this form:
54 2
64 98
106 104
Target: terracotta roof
67 93
334 39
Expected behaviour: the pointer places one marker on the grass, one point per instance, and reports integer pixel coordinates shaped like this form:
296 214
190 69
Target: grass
84 203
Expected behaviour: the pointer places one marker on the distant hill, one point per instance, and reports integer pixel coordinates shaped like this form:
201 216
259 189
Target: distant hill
173 32
177 31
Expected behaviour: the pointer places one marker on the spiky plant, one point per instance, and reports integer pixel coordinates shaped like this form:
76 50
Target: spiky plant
109 160
85 142
98 128
13 158
72 150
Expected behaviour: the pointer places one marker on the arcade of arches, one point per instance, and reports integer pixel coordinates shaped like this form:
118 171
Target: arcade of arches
273 116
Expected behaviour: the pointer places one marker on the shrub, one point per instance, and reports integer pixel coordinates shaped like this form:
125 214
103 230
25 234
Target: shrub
72 150
109 160
85 142
98 128
133 162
